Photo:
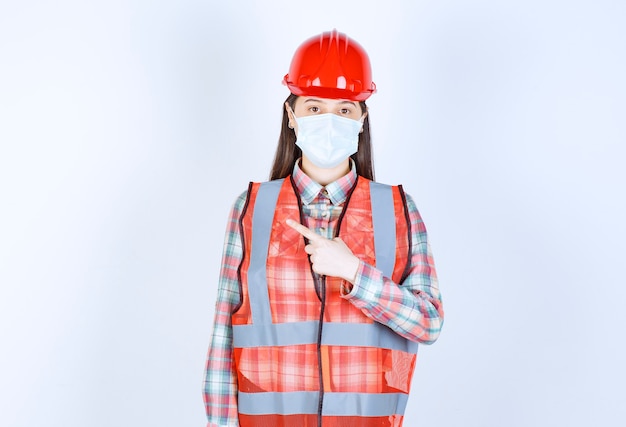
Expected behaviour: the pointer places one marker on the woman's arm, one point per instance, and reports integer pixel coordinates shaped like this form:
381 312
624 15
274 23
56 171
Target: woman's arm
413 308
220 381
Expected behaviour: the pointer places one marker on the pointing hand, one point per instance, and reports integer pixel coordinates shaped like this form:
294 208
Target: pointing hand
328 257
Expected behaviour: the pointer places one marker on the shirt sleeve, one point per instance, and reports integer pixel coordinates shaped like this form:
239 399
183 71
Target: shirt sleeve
220 381
413 309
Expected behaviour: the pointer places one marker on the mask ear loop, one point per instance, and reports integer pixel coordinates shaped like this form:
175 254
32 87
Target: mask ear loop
290 111
362 120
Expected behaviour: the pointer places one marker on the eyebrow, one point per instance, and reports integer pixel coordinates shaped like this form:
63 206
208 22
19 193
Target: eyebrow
319 100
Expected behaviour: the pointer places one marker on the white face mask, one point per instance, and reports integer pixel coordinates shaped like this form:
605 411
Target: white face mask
327 139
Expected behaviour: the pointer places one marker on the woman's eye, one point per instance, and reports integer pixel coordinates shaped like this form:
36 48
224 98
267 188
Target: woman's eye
314 109
344 111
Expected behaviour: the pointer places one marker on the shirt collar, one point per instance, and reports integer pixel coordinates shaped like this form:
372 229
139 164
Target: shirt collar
337 191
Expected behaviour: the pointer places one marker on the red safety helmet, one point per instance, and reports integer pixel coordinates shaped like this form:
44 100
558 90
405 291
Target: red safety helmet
331 65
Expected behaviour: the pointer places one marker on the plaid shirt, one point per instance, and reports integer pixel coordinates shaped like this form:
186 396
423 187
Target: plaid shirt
413 310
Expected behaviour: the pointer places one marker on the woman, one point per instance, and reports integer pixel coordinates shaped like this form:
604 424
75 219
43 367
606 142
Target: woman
327 282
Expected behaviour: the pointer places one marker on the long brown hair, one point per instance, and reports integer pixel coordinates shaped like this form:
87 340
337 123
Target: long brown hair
288 152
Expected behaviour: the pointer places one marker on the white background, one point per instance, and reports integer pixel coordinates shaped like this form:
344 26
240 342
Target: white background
127 129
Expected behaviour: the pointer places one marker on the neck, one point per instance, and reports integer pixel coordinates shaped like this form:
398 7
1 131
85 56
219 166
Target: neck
325 176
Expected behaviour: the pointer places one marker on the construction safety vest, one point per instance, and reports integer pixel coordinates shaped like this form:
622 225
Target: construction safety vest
303 355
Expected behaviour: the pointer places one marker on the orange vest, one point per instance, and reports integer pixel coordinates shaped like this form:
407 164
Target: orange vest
305 356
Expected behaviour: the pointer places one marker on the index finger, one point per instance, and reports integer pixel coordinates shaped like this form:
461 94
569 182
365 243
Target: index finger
306 232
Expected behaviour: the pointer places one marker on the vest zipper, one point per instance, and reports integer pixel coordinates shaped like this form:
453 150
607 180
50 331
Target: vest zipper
321 285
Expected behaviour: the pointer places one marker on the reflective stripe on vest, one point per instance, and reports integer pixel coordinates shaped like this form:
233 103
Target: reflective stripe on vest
259 298
306 402
353 334
383 218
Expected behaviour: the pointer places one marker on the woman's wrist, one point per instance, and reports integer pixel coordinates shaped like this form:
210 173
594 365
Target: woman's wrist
352 270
